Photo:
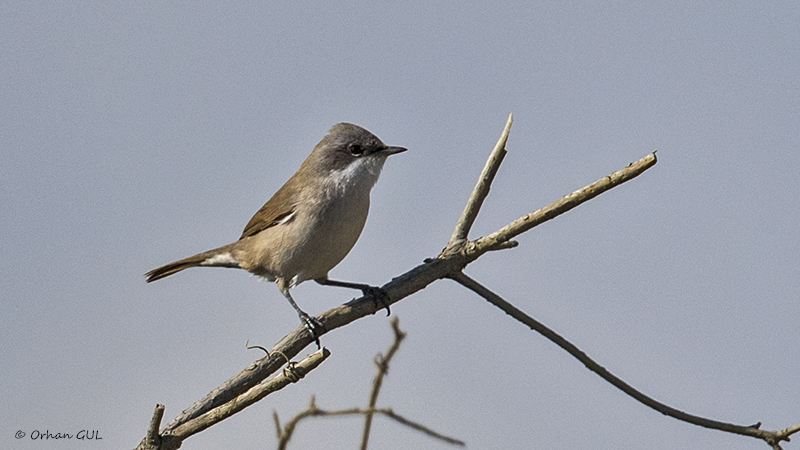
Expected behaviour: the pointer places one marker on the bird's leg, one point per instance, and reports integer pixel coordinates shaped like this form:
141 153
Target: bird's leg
313 325
379 295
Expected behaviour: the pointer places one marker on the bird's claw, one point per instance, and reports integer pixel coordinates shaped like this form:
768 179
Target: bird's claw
379 296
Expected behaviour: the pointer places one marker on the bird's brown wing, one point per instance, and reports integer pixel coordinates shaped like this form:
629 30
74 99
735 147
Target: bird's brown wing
278 209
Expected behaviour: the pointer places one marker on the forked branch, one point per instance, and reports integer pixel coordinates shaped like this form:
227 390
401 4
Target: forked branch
175 437
313 411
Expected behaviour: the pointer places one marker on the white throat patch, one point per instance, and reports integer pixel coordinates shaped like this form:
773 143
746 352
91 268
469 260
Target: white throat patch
363 171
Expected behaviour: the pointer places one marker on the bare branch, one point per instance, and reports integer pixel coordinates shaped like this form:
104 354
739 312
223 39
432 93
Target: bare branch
772 438
383 368
481 189
314 411
565 204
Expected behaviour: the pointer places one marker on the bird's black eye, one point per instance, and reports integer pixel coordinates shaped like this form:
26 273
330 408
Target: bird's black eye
355 149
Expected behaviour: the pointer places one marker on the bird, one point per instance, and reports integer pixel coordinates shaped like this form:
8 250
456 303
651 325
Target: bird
310 224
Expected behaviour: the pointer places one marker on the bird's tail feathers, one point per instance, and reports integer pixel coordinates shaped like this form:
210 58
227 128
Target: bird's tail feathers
218 257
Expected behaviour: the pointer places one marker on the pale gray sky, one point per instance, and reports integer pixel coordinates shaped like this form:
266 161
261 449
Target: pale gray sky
135 134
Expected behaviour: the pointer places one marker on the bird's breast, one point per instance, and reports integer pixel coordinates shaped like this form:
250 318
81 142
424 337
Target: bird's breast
319 235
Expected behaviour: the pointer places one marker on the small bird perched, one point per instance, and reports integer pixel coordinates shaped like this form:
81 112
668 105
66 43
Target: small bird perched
311 222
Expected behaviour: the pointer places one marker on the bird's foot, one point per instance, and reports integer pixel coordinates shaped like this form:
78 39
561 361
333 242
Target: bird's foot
314 326
379 296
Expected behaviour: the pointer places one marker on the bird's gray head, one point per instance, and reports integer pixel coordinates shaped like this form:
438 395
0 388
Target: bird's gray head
349 155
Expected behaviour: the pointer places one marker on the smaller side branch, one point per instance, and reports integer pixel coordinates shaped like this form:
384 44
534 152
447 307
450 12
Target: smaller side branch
773 438
289 375
481 189
495 240
383 368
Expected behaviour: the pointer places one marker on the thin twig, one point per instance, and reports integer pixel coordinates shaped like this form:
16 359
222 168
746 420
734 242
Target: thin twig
773 438
481 189
383 368
314 411
566 203
285 433
277 422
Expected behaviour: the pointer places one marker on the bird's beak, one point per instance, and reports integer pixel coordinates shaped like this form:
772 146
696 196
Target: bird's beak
392 150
